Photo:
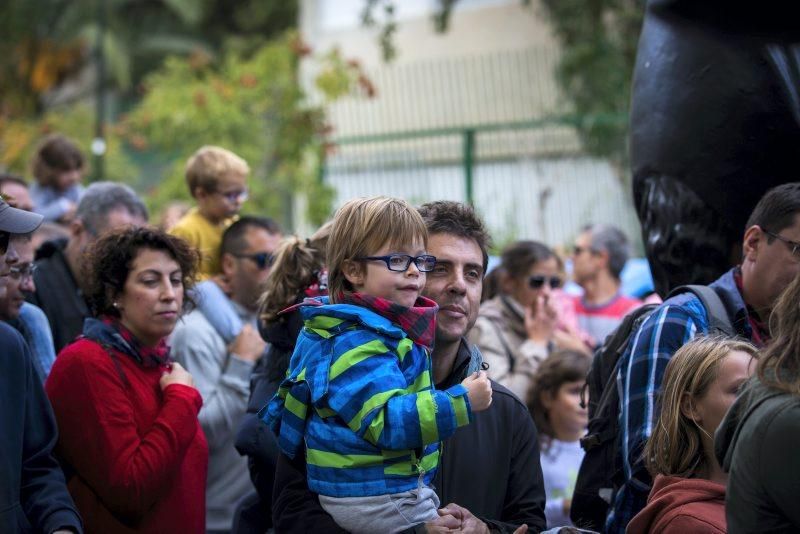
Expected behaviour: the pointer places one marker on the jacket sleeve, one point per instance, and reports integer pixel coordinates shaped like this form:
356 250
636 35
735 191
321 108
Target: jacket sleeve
527 357
525 495
128 471
366 389
779 457
639 382
222 379
43 490
295 508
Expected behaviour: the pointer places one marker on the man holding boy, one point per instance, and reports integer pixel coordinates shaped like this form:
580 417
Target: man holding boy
217 179
490 467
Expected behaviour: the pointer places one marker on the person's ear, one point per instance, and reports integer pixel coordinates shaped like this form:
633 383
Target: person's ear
754 237
354 272
227 264
689 409
547 398
76 228
603 257
200 193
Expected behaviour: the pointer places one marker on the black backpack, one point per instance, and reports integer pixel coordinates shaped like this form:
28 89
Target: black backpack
600 474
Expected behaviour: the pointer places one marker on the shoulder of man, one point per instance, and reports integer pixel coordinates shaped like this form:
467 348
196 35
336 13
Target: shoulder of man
193 329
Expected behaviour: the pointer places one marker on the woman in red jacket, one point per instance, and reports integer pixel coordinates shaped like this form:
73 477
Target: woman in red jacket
701 382
135 454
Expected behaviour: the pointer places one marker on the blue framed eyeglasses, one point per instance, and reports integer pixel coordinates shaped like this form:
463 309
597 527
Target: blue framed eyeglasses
401 262
261 259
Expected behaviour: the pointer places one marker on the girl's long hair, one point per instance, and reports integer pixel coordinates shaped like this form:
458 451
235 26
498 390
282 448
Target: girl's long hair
779 366
675 447
297 265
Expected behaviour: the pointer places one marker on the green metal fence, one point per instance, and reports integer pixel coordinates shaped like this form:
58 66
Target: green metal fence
514 153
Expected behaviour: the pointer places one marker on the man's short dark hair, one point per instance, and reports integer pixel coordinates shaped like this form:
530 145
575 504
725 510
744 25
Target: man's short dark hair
777 209
233 240
456 218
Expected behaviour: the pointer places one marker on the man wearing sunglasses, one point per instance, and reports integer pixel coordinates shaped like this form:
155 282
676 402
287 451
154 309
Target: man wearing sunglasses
34 495
218 342
598 258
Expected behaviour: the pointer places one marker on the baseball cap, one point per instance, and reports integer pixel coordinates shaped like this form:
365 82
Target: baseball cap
15 221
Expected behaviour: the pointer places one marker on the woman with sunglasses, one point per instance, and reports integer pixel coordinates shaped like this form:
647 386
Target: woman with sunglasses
520 326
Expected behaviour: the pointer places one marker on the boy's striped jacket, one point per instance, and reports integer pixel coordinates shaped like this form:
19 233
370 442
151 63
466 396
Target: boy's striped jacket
359 393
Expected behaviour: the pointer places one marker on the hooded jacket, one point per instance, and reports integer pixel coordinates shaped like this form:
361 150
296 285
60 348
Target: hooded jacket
359 395
490 467
757 444
682 505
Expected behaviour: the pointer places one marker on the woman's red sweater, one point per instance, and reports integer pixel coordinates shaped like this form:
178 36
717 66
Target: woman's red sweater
138 454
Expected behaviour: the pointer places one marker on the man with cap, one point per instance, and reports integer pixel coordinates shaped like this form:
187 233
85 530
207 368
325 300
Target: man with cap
34 495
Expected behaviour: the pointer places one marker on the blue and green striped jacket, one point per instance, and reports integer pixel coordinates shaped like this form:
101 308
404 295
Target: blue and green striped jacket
359 392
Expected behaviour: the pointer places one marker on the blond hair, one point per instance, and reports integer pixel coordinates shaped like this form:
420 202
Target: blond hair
297 265
675 447
361 227
209 165
779 366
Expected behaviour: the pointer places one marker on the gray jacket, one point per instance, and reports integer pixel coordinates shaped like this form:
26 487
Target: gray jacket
757 444
224 383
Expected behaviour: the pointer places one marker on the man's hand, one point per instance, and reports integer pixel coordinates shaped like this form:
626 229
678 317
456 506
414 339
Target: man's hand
469 523
248 345
444 523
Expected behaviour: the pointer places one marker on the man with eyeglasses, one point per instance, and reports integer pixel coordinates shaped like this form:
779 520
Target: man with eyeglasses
489 478
27 318
598 258
218 342
770 261
34 496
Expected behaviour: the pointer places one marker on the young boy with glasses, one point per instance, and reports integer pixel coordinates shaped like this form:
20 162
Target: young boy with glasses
359 391
217 179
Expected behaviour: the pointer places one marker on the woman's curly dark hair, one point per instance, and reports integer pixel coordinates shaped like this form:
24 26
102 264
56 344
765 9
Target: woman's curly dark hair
111 259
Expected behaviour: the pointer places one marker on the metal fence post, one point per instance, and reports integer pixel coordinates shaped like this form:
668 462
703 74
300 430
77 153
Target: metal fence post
469 160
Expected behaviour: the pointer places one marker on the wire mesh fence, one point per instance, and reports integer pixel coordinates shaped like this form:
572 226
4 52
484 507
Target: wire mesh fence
490 130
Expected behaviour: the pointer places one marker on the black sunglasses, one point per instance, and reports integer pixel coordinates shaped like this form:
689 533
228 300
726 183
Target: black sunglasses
537 281
5 237
262 259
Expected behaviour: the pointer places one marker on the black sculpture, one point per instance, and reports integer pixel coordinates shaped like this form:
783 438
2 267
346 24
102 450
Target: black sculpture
715 123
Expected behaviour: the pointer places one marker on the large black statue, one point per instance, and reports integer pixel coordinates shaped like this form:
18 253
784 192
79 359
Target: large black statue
715 122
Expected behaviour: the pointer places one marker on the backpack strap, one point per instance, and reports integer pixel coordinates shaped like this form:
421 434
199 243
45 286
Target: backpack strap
718 319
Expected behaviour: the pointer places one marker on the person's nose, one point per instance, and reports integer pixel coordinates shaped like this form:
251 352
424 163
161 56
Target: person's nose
26 284
413 270
457 284
168 291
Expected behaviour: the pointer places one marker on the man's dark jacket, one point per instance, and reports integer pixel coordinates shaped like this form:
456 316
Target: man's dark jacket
57 294
33 493
490 467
